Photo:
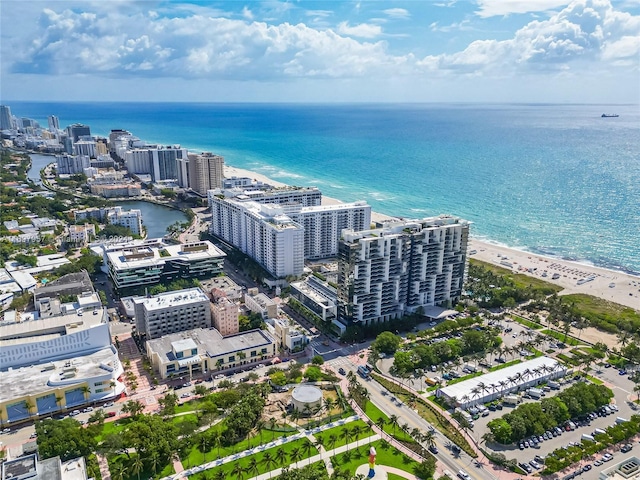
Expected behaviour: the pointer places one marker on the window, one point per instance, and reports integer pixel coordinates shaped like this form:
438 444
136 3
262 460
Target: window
263 351
253 353
232 358
179 354
171 367
194 351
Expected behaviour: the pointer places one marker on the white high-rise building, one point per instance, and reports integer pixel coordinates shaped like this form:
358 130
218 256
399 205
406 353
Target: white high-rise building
54 123
206 172
131 219
6 120
72 164
85 147
388 272
323 224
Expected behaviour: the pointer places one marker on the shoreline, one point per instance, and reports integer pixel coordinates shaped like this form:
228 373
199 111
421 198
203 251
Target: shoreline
626 289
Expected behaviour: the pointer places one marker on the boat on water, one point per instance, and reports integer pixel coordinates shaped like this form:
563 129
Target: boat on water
609 115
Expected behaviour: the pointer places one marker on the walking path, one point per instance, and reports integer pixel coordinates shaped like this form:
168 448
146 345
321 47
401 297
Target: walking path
104 467
266 446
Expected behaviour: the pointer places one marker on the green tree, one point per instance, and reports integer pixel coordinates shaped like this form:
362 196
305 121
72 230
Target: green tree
387 343
317 360
65 438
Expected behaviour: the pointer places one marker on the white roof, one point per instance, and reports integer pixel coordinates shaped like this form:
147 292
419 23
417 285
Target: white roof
464 388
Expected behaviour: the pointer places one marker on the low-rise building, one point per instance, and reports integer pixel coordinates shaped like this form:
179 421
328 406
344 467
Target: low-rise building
81 234
172 312
140 264
627 469
202 351
288 336
131 219
317 296
116 190
261 304
28 467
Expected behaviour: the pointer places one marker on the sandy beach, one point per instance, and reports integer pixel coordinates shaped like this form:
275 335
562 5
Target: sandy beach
611 285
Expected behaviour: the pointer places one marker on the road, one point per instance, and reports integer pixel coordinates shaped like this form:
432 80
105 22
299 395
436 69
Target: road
391 406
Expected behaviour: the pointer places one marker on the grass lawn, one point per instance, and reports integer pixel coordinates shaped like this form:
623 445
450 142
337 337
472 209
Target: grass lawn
595 380
560 336
338 432
374 413
145 474
194 456
393 476
386 455
228 468
113 427
184 418
594 307
526 323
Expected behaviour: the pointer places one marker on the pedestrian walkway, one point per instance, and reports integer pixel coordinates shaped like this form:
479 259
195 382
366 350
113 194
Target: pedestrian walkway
266 446
104 467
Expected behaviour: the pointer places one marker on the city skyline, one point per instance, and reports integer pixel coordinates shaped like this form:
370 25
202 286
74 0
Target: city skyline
580 51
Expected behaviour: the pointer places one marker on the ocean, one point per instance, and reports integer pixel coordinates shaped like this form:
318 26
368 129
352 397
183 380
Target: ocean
557 180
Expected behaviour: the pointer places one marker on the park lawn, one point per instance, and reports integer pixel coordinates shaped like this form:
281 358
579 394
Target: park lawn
561 337
526 323
337 431
113 427
227 468
183 418
385 455
393 476
145 474
505 365
195 456
374 413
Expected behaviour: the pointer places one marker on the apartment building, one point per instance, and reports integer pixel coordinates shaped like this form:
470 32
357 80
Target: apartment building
206 172
172 312
225 314
388 272
131 219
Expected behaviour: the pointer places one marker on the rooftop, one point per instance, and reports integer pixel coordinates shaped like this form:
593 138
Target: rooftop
210 342
29 325
172 299
40 378
141 255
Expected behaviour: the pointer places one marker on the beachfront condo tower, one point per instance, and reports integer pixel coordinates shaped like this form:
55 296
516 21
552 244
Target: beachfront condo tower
391 271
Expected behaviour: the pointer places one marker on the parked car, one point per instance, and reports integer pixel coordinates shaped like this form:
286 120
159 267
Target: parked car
342 371
463 475
607 457
626 448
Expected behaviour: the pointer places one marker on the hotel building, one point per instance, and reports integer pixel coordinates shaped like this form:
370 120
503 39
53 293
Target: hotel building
72 164
388 272
200 351
131 219
140 264
225 314
172 312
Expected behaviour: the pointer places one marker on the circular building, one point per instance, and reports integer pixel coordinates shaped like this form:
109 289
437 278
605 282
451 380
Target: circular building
306 398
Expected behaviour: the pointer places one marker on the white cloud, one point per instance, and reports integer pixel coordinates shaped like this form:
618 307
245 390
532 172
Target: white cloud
456 26
585 31
246 13
362 30
397 13
492 8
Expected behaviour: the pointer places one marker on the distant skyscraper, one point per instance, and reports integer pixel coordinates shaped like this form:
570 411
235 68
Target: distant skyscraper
54 123
78 130
206 172
5 118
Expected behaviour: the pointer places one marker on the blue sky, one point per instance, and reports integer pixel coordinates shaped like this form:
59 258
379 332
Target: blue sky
580 51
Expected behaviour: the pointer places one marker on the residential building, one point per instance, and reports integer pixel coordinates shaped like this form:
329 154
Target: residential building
626 469
201 351
131 219
323 226
138 161
206 172
81 234
317 296
172 312
54 123
72 164
116 190
391 271
147 263
85 147
263 232
295 196
6 120
261 304
225 314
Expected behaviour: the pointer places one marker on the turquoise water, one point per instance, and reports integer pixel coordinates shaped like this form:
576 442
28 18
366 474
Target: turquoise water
552 179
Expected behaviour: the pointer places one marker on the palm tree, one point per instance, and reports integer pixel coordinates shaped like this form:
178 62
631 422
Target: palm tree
295 415
356 431
137 465
268 461
307 448
328 405
86 391
252 468
219 475
203 447
333 438
216 440
295 455
59 401
154 462
346 434
381 422
281 456
393 421
429 437
29 406
119 472
260 424
238 470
